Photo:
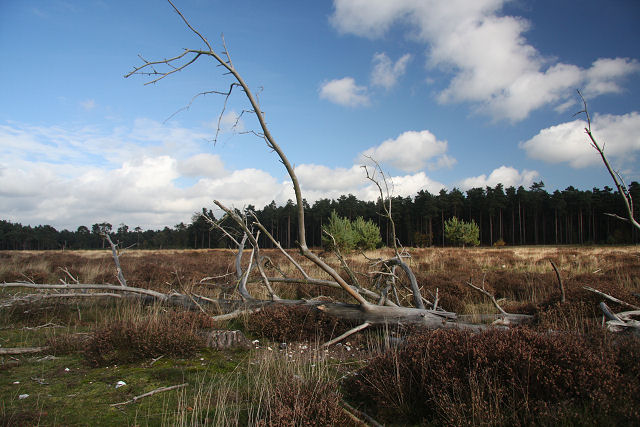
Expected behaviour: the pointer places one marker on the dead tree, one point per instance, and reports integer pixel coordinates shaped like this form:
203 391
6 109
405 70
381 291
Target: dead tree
160 69
368 308
617 179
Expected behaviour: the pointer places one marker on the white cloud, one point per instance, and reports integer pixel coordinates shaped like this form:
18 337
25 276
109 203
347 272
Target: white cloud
78 176
409 185
491 63
322 178
410 151
567 142
202 165
139 177
443 162
344 92
605 73
385 73
318 181
505 175
242 187
88 104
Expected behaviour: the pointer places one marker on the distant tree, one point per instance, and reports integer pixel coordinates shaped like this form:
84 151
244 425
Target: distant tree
367 234
349 235
460 232
338 233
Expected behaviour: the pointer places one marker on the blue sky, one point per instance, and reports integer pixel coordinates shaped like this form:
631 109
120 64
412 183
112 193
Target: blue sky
443 94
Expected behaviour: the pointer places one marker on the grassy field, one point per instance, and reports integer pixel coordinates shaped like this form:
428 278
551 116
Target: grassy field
575 373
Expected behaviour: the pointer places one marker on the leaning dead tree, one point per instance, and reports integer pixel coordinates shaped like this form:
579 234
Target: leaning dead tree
615 175
377 304
369 311
616 322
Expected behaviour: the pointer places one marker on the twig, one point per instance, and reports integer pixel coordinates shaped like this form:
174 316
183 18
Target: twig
66 271
156 359
490 295
617 179
358 413
610 298
46 325
151 393
562 293
346 334
234 314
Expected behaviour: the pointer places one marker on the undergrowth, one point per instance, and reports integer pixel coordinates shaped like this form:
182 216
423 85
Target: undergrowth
295 323
513 377
174 334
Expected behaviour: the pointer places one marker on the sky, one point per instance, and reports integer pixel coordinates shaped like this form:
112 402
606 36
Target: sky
443 94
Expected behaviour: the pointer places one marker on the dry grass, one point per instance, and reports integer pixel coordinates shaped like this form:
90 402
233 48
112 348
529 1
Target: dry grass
285 388
521 277
273 389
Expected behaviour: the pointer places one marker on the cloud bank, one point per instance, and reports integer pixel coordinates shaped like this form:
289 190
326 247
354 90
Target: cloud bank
568 143
490 62
151 175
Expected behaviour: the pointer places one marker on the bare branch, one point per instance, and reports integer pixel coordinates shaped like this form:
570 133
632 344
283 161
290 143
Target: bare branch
116 259
157 295
151 393
66 271
620 185
350 332
490 295
611 298
234 314
562 293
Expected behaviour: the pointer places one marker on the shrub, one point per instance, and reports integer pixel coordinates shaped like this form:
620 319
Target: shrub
350 235
342 232
295 323
127 341
497 377
367 234
460 232
297 401
66 343
499 243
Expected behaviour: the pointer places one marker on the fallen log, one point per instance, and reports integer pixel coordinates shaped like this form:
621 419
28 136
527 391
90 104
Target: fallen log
357 313
21 350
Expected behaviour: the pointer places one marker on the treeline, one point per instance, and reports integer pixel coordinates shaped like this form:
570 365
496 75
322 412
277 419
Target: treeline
511 216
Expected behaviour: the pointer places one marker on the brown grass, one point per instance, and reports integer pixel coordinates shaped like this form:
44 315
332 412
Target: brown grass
574 374
521 277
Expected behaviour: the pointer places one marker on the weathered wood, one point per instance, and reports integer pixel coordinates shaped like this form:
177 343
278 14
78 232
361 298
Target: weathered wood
562 293
511 318
21 350
617 323
224 339
151 393
611 298
347 334
116 259
328 283
160 296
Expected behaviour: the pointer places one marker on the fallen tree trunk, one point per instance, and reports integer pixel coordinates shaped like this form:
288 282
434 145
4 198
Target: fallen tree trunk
154 294
373 314
21 350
